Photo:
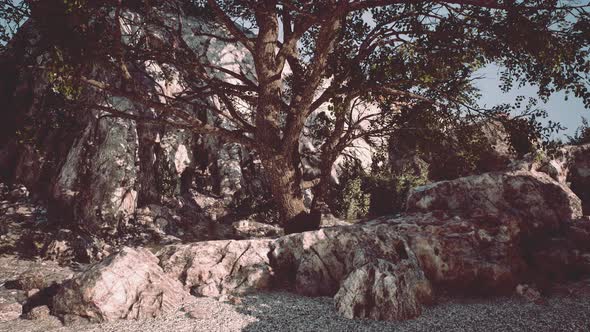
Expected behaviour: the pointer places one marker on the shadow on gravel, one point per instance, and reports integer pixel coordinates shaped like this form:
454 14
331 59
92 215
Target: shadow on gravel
288 312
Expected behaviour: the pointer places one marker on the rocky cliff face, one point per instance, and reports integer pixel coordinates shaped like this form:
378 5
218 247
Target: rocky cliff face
95 170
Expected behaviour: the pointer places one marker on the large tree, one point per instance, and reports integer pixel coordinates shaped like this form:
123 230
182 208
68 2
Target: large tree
299 56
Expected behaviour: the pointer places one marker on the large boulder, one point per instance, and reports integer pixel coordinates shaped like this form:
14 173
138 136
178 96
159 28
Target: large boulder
463 253
541 203
128 284
569 165
387 268
372 272
216 268
383 290
579 175
10 310
316 262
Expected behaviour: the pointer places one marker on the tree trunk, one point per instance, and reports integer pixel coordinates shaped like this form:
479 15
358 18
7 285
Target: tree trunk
285 186
321 190
331 149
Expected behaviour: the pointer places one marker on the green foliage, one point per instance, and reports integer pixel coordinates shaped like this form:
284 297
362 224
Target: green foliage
404 182
62 76
74 5
582 134
377 192
356 201
453 145
525 132
350 198
167 180
57 118
539 156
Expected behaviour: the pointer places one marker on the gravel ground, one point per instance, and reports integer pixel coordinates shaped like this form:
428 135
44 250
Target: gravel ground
279 311
568 309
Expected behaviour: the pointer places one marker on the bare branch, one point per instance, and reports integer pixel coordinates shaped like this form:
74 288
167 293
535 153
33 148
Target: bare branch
224 19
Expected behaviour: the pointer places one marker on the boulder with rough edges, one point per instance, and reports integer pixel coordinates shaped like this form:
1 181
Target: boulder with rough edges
215 268
541 203
464 254
383 290
460 241
569 165
128 284
245 229
10 311
371 271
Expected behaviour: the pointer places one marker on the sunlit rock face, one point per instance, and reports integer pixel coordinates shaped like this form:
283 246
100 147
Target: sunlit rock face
218 268
129 284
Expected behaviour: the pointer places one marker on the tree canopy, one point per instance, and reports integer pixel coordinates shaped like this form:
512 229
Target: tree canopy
356 60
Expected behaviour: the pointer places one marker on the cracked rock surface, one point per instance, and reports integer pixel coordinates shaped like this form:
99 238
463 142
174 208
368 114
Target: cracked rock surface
477 235
215 268
540 202
128 284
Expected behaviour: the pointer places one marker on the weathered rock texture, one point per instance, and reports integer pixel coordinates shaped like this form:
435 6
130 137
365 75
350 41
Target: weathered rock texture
384 291
96 170
129 284
569 165
464 253
481 234
372 273
216 268
540 202
245 229
10 311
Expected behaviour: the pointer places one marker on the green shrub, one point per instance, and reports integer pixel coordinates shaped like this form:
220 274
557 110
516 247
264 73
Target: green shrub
582 134
378 192
356 200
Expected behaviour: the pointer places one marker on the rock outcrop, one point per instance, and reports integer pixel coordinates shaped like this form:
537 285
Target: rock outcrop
371 272
128 284
569 165
383 290
245 229
482 234
10 311
95 169
536 199
217 268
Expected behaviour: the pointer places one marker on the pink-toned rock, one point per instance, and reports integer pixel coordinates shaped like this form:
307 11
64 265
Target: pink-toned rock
541 203
127 284
10 310
480 254
371 271
214 268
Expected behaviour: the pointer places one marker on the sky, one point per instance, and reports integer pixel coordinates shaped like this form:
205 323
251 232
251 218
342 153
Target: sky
568 113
